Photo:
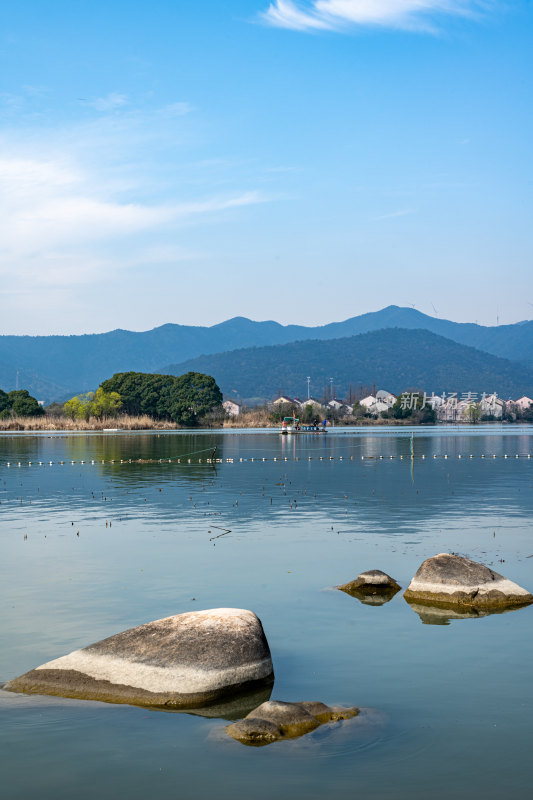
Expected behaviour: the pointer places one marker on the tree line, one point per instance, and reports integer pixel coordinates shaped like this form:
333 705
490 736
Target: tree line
184 399
19 403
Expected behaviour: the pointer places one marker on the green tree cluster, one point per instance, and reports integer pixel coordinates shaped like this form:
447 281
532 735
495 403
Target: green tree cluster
99 404
184 399
19 403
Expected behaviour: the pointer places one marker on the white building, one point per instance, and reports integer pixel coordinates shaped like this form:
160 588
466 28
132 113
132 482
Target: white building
385 397
523 403
446 410
366 402
373 405
284 400
492 406
231 408
378 407
315 404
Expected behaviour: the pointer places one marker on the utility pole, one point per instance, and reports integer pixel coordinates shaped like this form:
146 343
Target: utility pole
331 388
308 384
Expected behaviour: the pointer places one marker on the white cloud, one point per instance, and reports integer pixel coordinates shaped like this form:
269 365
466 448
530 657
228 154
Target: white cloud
110 102
60 227
108 201
309 15
179 109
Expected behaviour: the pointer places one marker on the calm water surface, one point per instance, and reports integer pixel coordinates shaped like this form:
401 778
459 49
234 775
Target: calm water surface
90 550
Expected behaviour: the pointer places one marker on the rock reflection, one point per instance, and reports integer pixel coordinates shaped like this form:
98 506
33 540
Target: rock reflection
370 595
440 615
235 707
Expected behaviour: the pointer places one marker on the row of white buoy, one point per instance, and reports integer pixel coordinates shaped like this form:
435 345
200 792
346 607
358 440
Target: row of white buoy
260 459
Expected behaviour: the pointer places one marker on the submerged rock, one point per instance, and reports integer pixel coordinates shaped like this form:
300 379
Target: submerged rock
277 720
373 587
449 580
188 660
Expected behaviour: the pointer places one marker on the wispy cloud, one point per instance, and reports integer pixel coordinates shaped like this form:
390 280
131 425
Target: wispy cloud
100 202
179 109
110 102
315 15
56 220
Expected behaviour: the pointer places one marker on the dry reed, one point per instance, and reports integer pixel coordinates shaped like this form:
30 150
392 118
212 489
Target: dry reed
57 423
250 418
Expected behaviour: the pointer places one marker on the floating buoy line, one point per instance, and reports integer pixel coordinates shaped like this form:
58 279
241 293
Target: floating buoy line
262 459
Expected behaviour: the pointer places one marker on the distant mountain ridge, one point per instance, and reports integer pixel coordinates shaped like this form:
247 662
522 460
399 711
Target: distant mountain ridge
395 359
54 366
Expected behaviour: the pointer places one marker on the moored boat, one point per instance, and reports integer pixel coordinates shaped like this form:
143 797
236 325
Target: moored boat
292 425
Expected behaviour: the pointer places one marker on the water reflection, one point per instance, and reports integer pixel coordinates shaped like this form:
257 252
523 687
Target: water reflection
370 595
439 615
235 707
357 491
296 526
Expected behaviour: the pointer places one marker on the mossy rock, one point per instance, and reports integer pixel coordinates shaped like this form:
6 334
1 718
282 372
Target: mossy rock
276 720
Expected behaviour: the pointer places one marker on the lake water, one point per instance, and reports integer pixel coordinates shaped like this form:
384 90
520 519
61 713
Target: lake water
89 550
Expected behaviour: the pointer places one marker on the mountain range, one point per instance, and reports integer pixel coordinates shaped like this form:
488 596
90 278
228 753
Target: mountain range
395 359
55 367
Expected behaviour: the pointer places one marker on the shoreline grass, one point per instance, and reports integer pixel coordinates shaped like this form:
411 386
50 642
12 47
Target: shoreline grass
252 418
60 423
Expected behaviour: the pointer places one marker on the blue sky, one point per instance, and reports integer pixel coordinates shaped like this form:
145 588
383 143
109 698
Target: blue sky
173 161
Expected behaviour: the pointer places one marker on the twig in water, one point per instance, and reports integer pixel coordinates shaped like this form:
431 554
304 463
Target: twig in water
226 531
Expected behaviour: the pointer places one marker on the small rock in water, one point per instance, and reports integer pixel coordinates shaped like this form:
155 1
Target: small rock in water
449 580
373 587
185 661
275 720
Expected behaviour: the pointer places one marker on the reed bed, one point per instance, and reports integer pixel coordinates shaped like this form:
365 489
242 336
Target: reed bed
260 418
59 423
252 418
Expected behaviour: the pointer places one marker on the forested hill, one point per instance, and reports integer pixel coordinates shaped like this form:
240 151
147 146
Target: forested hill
52 366
393 359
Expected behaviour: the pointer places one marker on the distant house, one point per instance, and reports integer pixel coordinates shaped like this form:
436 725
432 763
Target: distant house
335 405
446 411
385 397
231 408
315 404
373 405
378 407
284 400
450 410
523 403
492 406
366 402
463 411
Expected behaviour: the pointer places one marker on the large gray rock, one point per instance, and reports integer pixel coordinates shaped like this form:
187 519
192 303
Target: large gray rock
373 587
450 580
277 720
185 661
